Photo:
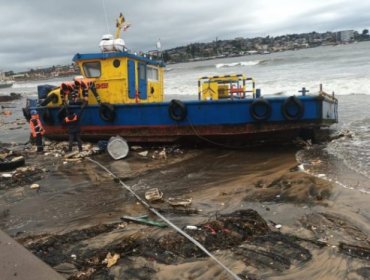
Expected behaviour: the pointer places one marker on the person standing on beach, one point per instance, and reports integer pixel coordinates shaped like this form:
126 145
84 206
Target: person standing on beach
37 131
72 121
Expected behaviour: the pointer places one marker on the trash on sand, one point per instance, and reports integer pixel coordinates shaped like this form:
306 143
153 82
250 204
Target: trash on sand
143 220
117 147
191 227
153 194
7 175
71 154
179 201
135 148
67 269
6 113
278 226
111 260
35 186
17 159
143 154
73 256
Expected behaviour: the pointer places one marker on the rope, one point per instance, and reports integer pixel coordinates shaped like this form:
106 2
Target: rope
200 246
213 142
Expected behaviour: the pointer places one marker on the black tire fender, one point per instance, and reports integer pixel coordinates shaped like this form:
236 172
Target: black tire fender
52 97
292 102
26 114
10 165
107 112
259 105
177 110
47 117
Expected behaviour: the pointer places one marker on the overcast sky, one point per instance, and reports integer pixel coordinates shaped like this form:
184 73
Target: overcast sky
38 33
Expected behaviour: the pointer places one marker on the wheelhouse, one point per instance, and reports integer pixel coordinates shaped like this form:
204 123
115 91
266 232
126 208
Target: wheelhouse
122 78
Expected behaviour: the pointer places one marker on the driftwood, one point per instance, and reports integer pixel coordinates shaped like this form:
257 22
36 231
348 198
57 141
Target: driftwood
12 96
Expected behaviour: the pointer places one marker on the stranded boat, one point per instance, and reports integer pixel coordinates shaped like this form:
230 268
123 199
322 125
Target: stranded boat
4 82
125 96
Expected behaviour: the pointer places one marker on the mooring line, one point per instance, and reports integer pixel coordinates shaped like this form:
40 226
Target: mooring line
200 246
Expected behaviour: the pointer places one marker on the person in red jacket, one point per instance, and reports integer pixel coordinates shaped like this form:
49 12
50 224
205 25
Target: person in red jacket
37 131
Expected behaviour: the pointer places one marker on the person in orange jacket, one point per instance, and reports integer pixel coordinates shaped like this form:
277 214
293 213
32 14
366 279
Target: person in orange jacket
37 131
72 121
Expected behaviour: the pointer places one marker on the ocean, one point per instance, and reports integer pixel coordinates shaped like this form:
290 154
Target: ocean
342 69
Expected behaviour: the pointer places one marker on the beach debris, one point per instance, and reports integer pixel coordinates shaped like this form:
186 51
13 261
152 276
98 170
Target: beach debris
117 147
10 161
160 154
73 256
153 195
191 227
17 158
85 274
278 226
362 252
6 113
35 186
122 225
12 96
135 148
66 269
6 175
144 220
177 201
111 259
143 154
71 154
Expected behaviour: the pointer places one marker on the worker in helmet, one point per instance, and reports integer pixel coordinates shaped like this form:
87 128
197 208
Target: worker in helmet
37 131
72 121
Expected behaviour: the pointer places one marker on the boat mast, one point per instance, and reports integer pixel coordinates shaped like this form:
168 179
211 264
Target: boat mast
121 23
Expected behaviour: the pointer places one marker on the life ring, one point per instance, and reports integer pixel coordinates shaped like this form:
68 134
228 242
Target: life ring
107 112
47 117
292 108
26 114
53 98
177 110
260 109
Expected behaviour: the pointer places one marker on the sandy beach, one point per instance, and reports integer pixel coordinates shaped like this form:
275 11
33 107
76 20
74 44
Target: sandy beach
254 210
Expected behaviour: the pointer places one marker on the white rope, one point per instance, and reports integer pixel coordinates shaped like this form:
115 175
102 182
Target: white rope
200 246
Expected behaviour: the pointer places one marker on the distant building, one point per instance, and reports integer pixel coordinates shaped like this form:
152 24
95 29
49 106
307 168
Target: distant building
346 36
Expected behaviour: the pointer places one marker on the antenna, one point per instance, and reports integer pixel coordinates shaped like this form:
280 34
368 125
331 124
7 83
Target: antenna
105 16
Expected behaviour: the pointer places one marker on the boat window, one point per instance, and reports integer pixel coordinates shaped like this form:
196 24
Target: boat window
116 63
92 69
142 72
152 73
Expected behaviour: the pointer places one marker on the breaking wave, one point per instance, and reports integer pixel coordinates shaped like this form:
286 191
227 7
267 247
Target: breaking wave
241 63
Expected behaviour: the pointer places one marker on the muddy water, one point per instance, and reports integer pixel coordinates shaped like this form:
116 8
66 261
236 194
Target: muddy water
77 196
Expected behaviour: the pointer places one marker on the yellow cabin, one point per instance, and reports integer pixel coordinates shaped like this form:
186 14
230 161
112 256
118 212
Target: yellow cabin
119 78
227 86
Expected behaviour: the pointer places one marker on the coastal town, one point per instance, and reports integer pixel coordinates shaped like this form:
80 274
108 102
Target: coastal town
216 49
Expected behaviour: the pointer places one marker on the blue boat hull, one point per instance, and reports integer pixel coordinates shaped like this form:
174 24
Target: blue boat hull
222 119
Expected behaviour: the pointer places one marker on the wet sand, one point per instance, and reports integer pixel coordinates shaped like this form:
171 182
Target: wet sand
256 211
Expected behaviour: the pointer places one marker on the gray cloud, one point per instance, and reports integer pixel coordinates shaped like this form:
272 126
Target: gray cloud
43 33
